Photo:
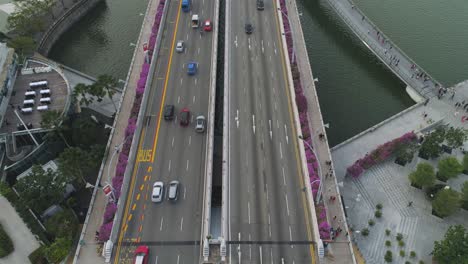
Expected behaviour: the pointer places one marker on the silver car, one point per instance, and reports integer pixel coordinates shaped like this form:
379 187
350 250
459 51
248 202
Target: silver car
180 46
200 124
173 191
158 192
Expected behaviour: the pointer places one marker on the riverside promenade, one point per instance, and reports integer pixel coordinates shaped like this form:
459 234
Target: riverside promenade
339 250
420 85
387 183
88 249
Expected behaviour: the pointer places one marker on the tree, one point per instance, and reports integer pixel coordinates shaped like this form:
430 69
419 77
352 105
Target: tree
41 189
455 137
465 162
424 175
431 147
449 168
465 195
28 17
62 224
6 245
58 250
81 91
74 162
446 202
23 45
54 121
454 247
107 84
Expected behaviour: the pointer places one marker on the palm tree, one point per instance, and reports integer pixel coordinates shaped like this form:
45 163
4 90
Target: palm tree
107 83
82 90
54 121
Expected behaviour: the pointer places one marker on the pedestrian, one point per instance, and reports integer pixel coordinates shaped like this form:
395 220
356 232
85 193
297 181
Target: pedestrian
363 18
334 198
334 217
410 204
453 95
346 234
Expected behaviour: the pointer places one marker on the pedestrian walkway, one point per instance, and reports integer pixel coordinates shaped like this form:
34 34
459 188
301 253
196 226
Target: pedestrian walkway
23 240
381 45
87 251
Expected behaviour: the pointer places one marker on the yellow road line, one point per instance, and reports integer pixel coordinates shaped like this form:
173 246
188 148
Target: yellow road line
291 116
133 207
138 196
142 186
129 217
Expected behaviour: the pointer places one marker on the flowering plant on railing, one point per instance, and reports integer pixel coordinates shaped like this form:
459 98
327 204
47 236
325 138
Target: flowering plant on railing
381 153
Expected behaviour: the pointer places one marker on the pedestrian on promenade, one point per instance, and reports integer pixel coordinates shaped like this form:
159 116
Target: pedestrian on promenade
426 102
410 204
334 217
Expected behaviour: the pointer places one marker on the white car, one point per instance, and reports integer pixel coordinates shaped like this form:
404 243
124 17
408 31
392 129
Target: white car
180 46
158 192
200 124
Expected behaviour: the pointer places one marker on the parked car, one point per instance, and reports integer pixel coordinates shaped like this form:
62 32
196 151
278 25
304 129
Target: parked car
141 255
184 117
158 192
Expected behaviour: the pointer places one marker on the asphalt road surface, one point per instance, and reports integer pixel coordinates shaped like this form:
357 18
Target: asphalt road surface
268 217
168 151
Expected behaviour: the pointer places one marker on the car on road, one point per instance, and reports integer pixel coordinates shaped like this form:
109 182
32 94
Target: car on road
180 46
260 5
200 124
207 25
173 191
248 28
192 68
158 192
141 255
184 117
169 112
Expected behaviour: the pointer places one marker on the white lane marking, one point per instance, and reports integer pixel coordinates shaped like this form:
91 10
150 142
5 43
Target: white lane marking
250 247
195 81
268 43
271 132
263 49
187 37
287 204
286 132
186 168
182 223
275 51
270 57
290 236
178 99
181 81
239 249
248 210
269 225
162 221
284 178
178 259
277 124
249 42
275 105
281 151
172 141
185 192
260 106
271 255
198 50
189 140
235 41
253 123
183 65
156 260
261 256
193 101
237 118
266 187
170 161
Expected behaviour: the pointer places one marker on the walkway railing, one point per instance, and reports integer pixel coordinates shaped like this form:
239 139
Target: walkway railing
387 51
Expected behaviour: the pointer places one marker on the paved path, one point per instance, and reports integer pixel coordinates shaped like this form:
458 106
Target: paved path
88 251
23 240
394 58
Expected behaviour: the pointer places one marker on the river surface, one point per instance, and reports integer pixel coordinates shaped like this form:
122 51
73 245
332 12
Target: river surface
355 90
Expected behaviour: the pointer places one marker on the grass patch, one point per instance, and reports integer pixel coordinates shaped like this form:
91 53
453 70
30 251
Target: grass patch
6 245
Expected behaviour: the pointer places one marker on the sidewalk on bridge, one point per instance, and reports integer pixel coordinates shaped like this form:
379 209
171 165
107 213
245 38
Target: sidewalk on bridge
89 250
339 251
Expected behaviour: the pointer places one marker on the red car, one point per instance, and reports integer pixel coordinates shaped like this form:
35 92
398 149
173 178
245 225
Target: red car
141 255
184 117
207 25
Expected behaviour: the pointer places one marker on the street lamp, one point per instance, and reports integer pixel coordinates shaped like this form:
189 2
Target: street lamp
319 192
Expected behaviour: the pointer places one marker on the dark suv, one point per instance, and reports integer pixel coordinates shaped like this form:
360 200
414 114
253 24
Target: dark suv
169 112
248 28
260 5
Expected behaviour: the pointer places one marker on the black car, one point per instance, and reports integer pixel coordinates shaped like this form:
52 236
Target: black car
169 112
260 5
248 28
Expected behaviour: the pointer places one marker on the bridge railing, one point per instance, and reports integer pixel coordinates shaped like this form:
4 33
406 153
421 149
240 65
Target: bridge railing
406 76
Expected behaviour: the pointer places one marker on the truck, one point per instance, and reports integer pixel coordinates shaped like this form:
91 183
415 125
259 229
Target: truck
195 21
186 5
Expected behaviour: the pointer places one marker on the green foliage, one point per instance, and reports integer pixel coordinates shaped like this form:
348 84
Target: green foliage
371 222
85 132
424 175
402 253
465 195
23 212
378 213
6 245
387 232
58 250
379 206
62 224
421 262
405 152
365 232
388 256
431 147
81 94
73 163
388 243
401 243
455 137
446 202
38 256
407 262
105 85
56 123
412 254
449 168
465 162
41 189
22 44
399 236
454 247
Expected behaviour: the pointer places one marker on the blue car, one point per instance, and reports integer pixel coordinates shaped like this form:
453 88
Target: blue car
192 68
